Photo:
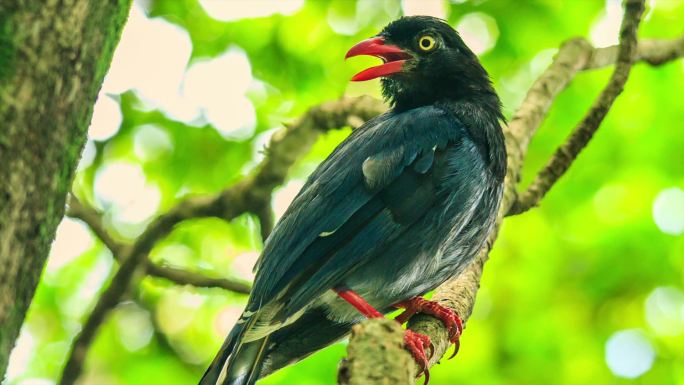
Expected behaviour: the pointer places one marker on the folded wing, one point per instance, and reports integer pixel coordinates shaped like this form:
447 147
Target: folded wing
369 191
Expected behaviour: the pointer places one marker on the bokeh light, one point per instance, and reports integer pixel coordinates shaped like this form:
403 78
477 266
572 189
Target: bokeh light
151 142
243 9
177 309
106 118
605 30
479 31
218 88
87 156
342 19
123 188
436 8
22 354
629 354
71 240
284 195
87 288
664 309
243 265
151 59
226 319
134 326
668 211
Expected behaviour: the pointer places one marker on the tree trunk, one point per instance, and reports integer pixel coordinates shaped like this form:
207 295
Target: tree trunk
53 57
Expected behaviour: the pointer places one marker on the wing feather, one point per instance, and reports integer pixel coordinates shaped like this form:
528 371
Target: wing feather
368 191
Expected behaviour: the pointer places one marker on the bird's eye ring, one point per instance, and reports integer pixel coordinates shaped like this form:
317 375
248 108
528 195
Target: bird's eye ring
427 43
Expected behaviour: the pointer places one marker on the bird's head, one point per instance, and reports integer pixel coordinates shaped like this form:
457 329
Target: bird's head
425 61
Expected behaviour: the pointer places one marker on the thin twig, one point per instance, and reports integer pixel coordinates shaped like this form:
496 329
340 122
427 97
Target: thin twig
573 56
93 219
184 277
652 51
582 134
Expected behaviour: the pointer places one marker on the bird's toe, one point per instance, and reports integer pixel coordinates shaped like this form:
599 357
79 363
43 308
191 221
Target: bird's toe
416 344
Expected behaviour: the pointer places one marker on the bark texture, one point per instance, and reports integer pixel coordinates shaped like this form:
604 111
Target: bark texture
388 365
53 57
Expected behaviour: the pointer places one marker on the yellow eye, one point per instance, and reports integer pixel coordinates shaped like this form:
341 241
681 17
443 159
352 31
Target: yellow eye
427 43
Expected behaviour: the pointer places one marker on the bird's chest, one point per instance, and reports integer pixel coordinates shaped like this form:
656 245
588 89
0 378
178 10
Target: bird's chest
436 248
447 242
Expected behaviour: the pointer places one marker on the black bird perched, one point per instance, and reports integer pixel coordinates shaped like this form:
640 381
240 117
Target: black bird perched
403 204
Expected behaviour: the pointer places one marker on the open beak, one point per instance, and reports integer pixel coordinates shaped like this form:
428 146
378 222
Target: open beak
392 56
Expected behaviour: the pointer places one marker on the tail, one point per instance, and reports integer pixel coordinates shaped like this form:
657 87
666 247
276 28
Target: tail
236 363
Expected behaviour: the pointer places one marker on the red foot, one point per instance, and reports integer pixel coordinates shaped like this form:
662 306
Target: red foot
416 344
450 319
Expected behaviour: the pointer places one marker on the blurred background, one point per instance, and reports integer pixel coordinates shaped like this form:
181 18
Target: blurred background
586 289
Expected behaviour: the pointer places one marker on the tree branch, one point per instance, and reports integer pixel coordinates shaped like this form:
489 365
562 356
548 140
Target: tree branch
184 277
93 219
580 137
251 194
53 58
652 51
459 293
574 55
388 363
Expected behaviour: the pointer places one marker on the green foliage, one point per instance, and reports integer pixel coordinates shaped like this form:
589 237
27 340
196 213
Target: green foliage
7 49
562 279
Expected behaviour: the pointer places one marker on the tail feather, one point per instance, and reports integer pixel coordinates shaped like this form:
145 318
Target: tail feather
236 363
244 365
212 374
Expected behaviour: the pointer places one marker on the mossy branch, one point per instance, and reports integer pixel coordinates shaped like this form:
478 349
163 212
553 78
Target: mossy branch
53 57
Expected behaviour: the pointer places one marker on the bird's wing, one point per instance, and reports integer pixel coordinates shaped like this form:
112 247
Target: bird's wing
369 190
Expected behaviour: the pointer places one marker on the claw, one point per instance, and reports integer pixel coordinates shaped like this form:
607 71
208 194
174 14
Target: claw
416 343
432 350
457 346
403 317
456 337
450 319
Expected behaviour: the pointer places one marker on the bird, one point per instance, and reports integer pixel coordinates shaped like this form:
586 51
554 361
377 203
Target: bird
404 203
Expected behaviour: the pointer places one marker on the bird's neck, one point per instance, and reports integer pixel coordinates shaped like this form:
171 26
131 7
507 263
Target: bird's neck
429 92
469 95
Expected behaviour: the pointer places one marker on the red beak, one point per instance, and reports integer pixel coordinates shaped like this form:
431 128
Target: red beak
393 57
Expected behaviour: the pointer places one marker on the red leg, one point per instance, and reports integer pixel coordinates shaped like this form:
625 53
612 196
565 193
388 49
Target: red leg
450 319
359 303
415 343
